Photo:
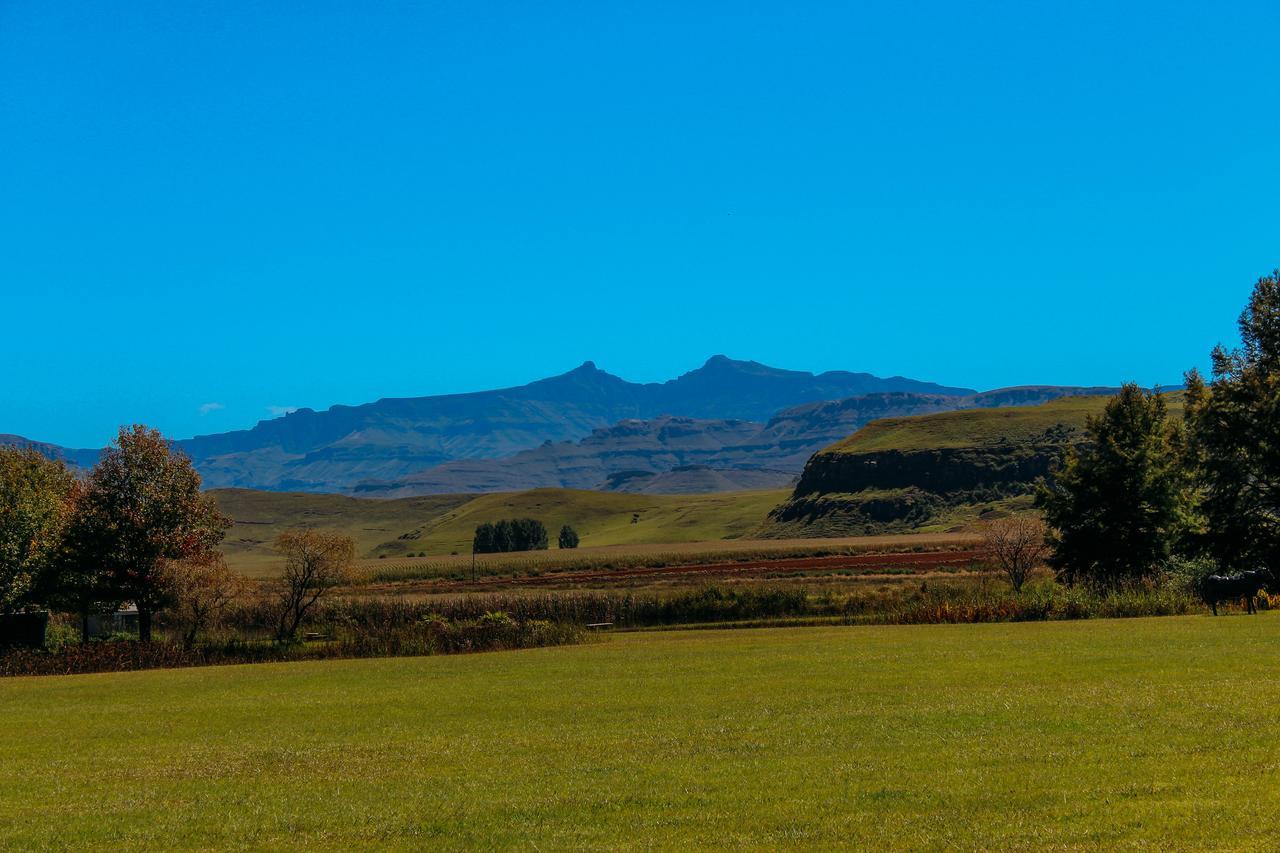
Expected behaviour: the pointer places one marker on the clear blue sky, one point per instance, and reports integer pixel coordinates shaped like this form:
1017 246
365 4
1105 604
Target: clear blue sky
210 210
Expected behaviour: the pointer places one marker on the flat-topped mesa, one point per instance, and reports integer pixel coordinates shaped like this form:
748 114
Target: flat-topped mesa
1006 449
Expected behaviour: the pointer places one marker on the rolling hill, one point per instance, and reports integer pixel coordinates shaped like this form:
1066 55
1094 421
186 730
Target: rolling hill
443 524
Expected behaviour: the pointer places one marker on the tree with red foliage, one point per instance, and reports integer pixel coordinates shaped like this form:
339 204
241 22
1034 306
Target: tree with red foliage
141 510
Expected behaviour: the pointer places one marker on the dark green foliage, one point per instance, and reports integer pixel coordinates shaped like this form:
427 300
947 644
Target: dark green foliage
1119 504
510 534
386 638
568 537
1235 440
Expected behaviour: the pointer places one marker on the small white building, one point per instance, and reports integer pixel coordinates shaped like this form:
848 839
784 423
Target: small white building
121 621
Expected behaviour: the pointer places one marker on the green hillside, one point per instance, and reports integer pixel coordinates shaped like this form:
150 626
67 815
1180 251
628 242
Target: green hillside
443 524
609 518
261 516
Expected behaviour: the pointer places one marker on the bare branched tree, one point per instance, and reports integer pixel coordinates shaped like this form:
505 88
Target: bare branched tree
1017 544
202 592
315 563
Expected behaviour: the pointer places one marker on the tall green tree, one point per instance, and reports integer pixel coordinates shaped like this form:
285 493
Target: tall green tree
568 537
142 508
34 503
1119 504
1234 432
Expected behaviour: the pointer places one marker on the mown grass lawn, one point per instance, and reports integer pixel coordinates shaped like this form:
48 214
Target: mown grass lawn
1157 731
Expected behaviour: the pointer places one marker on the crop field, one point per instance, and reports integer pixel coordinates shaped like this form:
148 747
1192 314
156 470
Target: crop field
1139 732
440 525
619 560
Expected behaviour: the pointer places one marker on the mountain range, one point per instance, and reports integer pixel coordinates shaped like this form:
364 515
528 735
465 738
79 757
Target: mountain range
726 425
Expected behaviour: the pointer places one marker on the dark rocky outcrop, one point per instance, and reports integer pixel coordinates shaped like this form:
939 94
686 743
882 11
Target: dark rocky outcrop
1007 467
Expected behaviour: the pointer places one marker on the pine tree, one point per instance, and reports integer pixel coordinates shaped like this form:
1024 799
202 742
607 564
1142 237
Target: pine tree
1118 506
1234 429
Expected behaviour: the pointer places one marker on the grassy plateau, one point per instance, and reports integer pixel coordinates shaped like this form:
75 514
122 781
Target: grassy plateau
969 427
978 427
1158 732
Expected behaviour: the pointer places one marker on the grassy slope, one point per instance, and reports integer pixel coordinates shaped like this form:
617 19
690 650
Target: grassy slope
444 523
261 516
968 428
605 518
1107 733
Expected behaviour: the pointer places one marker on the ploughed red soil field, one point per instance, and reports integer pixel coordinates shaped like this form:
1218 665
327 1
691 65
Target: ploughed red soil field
908 562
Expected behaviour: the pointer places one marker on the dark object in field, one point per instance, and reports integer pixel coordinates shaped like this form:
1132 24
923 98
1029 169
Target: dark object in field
25 630
1245 585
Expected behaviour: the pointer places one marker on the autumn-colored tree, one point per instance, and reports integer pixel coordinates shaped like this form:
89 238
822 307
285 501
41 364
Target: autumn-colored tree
142 509
73 579
315 562
202 592
34 500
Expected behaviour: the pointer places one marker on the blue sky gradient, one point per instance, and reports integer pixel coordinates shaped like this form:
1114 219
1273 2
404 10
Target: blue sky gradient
208 212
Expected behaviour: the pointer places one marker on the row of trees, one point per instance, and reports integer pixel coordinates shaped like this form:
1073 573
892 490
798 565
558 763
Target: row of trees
518 534
138 529
510 534
1146 487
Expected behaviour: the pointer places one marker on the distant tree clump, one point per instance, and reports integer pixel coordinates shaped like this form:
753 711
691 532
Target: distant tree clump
513 534
1234 431
1120 503
568 537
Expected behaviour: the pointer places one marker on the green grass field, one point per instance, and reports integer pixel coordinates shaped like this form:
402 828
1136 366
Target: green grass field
442 524
1151 732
